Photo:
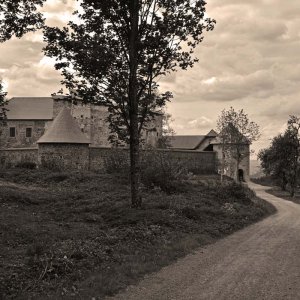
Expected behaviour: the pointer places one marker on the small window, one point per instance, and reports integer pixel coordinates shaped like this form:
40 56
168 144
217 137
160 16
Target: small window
12 132
29 132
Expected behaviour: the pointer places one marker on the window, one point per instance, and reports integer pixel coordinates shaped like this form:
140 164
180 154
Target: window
29 132
12 131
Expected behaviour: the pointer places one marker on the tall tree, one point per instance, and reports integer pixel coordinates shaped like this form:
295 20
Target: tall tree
293 135
275 160
115 54
118 51
281 159
237 133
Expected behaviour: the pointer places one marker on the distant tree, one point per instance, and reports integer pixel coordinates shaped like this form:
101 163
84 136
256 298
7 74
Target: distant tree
293 135
167 132
236 132
281 159
275 160
115 54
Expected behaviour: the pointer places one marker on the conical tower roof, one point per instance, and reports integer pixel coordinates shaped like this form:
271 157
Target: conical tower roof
64 129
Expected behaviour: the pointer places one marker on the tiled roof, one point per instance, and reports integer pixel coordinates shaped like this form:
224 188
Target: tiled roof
64 129
186 141
30 108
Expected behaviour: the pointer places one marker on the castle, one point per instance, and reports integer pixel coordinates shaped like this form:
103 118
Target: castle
28 118
54 130
212 143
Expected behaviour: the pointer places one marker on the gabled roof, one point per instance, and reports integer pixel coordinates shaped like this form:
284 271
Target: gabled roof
212 133
64 129
189 142
30 108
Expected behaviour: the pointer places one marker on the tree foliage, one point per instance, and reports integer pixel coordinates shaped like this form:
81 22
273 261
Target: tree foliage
118 51
237 132
94 54
281 159
18 17
3 102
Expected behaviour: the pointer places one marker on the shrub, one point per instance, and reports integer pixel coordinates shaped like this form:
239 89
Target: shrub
52 164
158 169
117 161
26 165
56 177
234 192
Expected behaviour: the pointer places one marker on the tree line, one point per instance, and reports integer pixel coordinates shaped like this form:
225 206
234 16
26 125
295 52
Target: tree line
281 160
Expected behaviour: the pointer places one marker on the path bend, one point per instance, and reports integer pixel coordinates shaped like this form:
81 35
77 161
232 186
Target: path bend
261 261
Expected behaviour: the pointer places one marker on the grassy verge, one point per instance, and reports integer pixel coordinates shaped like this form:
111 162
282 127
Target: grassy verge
276 191
265 181
74 235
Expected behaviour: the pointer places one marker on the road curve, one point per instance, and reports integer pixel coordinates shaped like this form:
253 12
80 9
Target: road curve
261 261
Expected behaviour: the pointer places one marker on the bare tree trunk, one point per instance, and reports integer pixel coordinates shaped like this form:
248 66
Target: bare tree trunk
133 106
222 166
284 182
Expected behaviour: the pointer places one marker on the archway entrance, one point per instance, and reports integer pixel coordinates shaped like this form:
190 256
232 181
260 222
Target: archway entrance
241 175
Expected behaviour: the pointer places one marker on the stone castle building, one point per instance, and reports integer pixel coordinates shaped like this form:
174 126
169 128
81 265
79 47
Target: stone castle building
212 143
28 119
57 132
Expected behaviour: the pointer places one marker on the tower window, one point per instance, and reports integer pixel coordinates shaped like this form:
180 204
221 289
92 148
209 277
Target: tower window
29 132
12 132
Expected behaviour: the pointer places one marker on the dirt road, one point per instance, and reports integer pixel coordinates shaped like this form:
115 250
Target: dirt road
259 262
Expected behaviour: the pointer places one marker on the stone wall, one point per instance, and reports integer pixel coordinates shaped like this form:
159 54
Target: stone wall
13 157
231 166
64 156
70 156
20 140
195 161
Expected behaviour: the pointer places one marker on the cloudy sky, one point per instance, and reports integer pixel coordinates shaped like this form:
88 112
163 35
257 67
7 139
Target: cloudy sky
251 61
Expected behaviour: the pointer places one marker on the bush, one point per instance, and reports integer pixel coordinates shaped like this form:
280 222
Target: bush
158 169
26 165
117 161
234 192
54 164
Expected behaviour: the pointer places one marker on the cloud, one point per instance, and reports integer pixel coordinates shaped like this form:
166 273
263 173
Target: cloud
251 61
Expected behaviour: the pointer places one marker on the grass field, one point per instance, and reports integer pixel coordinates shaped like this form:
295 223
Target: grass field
74 235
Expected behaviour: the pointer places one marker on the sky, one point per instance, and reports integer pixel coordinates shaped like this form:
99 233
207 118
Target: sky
250 61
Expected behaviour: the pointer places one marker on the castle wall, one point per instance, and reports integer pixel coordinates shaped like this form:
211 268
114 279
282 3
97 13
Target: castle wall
100 131
64 156
20 140
15 156
231 164
196 162
153 131
80 156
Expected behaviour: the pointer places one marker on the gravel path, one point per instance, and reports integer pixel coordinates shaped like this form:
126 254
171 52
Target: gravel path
261 261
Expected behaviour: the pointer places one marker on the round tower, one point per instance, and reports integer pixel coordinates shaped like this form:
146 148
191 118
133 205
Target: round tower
64 146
